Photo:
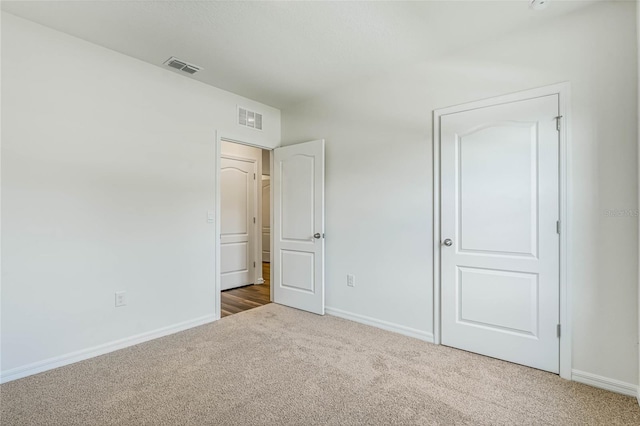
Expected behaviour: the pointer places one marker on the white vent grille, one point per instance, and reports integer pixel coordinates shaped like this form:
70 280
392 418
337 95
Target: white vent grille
182 65
249 119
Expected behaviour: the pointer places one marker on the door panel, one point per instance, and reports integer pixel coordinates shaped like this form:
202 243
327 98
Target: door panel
297 197
236 221
298 185
488 222
235 257
298 270
502 300
499 195
235 197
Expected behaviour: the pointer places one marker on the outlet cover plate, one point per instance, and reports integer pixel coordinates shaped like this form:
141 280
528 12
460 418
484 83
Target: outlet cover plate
351 280
121 298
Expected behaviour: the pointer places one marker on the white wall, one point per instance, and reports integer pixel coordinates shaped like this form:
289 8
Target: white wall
107 178
379 175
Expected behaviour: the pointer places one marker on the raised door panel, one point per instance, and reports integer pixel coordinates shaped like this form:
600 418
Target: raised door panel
234 199
497 189
297 198
503 301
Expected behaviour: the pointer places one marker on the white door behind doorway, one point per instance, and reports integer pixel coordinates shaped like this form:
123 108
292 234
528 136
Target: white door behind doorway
499 257
237 225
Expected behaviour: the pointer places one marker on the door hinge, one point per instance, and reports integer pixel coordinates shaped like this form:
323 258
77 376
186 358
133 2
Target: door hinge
254 176
558 122
254 220
558 329
558 226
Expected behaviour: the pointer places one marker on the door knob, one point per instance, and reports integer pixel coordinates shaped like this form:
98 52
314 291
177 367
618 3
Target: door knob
448 242
317 235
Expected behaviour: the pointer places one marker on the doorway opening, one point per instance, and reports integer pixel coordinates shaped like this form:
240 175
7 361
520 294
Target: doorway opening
294 275
245 227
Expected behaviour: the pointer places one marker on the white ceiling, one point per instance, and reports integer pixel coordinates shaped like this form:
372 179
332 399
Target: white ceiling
281 53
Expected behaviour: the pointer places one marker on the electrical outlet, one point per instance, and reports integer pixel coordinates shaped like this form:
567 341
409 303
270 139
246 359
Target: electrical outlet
351 280
121 298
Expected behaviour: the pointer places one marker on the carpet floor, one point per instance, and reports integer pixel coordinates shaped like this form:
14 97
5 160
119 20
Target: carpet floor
279 366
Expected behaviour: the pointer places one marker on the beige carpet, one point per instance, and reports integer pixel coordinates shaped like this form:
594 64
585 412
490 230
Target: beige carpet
275 365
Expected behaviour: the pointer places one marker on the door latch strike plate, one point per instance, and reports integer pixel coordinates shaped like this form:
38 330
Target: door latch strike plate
558 121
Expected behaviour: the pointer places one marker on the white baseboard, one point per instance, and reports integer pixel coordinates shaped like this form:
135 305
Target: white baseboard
70 358
385 325
604 383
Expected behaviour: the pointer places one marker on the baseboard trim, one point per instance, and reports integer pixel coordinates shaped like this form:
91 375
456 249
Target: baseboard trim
385 325
604 383
81 355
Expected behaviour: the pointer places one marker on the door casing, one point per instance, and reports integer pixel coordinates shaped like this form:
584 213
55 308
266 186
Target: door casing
563 90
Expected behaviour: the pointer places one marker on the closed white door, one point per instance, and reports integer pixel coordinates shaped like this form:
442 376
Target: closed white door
500 244
298 226
266 219
237 222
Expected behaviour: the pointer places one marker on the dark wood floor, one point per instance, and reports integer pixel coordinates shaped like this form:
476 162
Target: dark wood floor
247 297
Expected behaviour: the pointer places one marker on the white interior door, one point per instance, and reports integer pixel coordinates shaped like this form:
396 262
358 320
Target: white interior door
237 222
266 219
500 244
298 226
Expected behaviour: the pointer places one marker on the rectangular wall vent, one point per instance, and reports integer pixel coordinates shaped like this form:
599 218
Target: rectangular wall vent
182 65
249 119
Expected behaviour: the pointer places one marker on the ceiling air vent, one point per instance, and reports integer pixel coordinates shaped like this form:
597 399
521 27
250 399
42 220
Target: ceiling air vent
250 119
182 65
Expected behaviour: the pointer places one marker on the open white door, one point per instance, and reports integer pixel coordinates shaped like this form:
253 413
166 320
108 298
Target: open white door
298 226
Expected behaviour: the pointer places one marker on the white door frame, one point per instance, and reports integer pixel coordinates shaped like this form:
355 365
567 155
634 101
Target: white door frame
217 170
563 90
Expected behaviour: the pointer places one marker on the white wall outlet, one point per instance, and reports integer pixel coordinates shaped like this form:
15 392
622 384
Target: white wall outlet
121 298
351 280
211 217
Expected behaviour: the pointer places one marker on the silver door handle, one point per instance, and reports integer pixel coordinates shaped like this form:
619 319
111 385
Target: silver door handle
448 242
317 235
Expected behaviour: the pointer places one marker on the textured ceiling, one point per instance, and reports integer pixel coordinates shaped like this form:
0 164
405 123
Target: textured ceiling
281 53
